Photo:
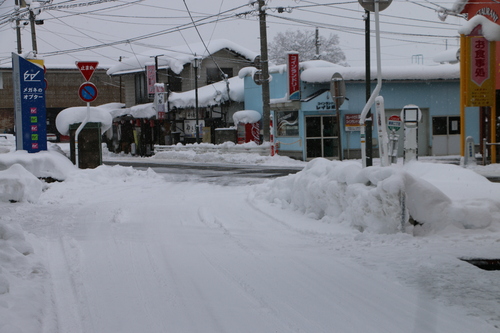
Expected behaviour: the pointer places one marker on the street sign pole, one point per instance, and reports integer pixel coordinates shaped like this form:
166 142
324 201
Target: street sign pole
88 93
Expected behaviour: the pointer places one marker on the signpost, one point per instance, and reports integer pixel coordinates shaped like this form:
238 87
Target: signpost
394 125
372 6
88 93
337 90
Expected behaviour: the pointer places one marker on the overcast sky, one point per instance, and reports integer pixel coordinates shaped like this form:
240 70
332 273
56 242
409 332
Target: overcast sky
411 30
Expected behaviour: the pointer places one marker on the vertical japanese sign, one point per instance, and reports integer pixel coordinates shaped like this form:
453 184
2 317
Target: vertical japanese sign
159 101
293 76
151 78
29 105
480 90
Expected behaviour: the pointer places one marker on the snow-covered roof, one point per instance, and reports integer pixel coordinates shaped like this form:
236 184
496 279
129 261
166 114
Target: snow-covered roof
414 72
176 57
212 94
319 71
449 56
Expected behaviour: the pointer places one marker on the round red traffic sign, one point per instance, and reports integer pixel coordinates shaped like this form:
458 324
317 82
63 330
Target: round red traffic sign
88 92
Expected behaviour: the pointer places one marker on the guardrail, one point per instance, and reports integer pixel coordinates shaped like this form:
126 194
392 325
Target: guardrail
263 150
485 150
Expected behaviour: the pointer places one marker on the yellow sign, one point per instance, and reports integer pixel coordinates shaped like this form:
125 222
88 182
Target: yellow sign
480 71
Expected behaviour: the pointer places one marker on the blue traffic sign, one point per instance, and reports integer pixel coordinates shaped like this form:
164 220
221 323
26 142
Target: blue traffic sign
88 92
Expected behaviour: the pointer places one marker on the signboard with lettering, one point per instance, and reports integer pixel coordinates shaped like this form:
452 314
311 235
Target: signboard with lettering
490 9
151 78
293 76
29 105
480 89
351 122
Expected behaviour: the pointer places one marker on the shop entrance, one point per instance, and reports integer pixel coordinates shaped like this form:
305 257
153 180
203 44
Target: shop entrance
322 137
446 135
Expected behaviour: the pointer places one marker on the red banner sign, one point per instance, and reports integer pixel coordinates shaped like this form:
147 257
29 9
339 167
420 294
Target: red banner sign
293 76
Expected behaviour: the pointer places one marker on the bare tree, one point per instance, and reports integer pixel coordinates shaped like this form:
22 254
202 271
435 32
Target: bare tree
304 42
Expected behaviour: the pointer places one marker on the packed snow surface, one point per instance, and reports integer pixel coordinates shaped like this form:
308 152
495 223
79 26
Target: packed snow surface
114 249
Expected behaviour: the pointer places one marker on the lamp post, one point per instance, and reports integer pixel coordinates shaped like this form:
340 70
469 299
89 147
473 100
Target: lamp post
196 64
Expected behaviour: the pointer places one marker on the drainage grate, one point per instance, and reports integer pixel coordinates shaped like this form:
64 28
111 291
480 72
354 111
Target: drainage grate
486 264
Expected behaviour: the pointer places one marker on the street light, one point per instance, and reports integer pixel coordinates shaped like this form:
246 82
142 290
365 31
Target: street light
196 63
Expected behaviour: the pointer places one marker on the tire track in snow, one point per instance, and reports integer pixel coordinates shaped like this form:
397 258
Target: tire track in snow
67 293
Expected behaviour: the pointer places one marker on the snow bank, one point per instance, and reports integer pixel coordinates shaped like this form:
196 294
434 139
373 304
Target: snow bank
20 292
227 152
77 114
369 199
43 164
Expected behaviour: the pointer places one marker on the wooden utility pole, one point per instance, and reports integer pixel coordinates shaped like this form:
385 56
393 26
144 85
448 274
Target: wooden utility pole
317 43
369 120
18 29
266 111
33 32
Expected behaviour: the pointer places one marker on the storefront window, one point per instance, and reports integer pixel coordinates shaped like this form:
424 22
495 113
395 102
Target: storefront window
287 123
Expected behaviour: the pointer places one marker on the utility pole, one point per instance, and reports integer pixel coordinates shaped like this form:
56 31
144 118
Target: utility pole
316 42
18 29
33 32
369 120
266 111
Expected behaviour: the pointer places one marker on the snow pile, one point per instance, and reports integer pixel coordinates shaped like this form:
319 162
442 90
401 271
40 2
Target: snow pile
44 164
370 199
246 117
7 143
17 184
77 114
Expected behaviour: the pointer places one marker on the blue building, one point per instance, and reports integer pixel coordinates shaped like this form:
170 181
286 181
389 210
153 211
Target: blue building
311 127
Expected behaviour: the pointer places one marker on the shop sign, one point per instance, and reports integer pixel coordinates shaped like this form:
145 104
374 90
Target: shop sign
351 122
29 105
320 106
190 128
151 78
293 76
480 79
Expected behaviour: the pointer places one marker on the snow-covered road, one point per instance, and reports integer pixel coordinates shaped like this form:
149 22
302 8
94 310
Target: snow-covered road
142 254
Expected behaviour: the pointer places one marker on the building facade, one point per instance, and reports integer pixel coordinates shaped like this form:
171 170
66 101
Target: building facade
313 127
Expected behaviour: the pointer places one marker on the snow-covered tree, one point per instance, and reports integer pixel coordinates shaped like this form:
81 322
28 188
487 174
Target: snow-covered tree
304 42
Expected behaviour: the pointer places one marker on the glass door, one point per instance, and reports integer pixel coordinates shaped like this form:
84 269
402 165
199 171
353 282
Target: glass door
322 137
